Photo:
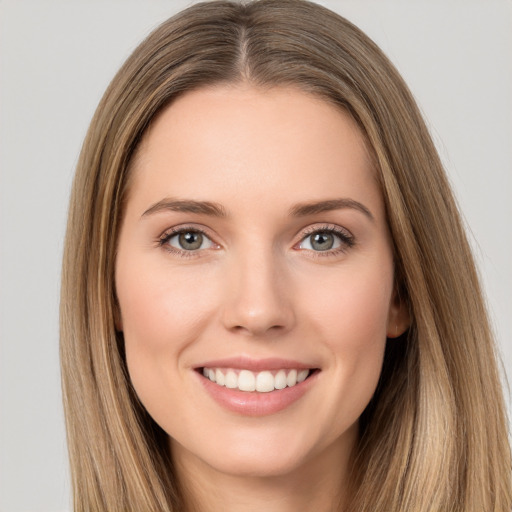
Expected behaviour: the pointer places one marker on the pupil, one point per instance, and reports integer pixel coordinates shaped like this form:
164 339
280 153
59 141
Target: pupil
322 241
190 240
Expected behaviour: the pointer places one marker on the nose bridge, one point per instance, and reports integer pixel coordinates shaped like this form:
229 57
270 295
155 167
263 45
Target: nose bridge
258 299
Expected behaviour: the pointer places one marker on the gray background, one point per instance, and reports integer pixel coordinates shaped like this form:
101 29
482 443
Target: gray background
57 57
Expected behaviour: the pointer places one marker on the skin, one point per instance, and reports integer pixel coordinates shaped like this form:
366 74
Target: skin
259 289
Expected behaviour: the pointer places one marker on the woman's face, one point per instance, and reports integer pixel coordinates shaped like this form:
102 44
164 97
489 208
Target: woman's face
254 252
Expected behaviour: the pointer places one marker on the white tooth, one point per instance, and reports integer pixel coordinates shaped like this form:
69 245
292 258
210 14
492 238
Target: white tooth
291 380
211 374
280 380
301 376
264 382
205 372
219 377
246 381
231 380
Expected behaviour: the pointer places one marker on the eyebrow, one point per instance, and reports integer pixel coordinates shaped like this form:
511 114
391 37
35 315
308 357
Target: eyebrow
217 210
188 206
305 209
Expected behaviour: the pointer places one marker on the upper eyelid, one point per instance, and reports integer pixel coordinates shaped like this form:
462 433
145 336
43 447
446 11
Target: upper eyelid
334 228
164 238
185 227
163 241
345 236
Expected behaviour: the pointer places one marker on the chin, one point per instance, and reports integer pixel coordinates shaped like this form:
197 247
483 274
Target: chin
265 454
259 465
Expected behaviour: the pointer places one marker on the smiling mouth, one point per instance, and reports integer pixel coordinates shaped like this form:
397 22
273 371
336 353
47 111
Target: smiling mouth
262 382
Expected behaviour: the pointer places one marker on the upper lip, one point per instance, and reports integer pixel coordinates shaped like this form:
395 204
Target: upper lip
256 365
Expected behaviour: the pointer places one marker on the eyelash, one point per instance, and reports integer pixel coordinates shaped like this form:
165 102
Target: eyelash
167 235
347 240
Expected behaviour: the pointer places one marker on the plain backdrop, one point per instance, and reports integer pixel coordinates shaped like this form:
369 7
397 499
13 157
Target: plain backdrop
57 57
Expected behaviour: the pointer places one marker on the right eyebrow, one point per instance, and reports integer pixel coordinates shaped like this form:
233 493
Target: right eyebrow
187 205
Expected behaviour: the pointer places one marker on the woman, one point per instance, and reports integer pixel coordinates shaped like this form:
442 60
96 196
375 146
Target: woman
281 308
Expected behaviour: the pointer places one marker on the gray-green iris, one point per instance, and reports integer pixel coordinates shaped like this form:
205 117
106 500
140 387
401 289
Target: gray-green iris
190 240
322 241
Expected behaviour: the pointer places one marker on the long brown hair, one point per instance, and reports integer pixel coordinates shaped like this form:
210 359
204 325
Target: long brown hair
434 437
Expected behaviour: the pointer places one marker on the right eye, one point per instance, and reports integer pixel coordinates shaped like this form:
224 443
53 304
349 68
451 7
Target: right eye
187 240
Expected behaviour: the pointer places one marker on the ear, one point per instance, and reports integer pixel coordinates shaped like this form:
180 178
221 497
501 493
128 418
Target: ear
398 317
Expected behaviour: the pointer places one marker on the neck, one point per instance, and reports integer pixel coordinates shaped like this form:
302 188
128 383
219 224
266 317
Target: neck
319 485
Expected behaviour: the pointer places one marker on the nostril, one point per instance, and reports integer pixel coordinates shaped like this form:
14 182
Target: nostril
259 330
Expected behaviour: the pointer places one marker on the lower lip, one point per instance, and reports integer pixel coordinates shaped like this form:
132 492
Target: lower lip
253 403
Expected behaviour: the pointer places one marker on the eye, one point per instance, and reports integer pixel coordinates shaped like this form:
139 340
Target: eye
327 240
187 240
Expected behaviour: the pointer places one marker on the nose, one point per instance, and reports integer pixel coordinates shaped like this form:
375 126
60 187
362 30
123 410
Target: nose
258 296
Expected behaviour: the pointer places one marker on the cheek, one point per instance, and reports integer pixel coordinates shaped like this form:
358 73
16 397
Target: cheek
160 317
350 317
159 308
353 305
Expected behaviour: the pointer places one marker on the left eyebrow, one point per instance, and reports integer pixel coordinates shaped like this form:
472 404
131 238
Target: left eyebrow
304 209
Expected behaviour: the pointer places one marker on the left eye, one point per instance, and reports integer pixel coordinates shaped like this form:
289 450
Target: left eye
322 241
189 240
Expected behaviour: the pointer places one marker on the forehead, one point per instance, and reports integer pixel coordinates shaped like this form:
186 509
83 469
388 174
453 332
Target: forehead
238 141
